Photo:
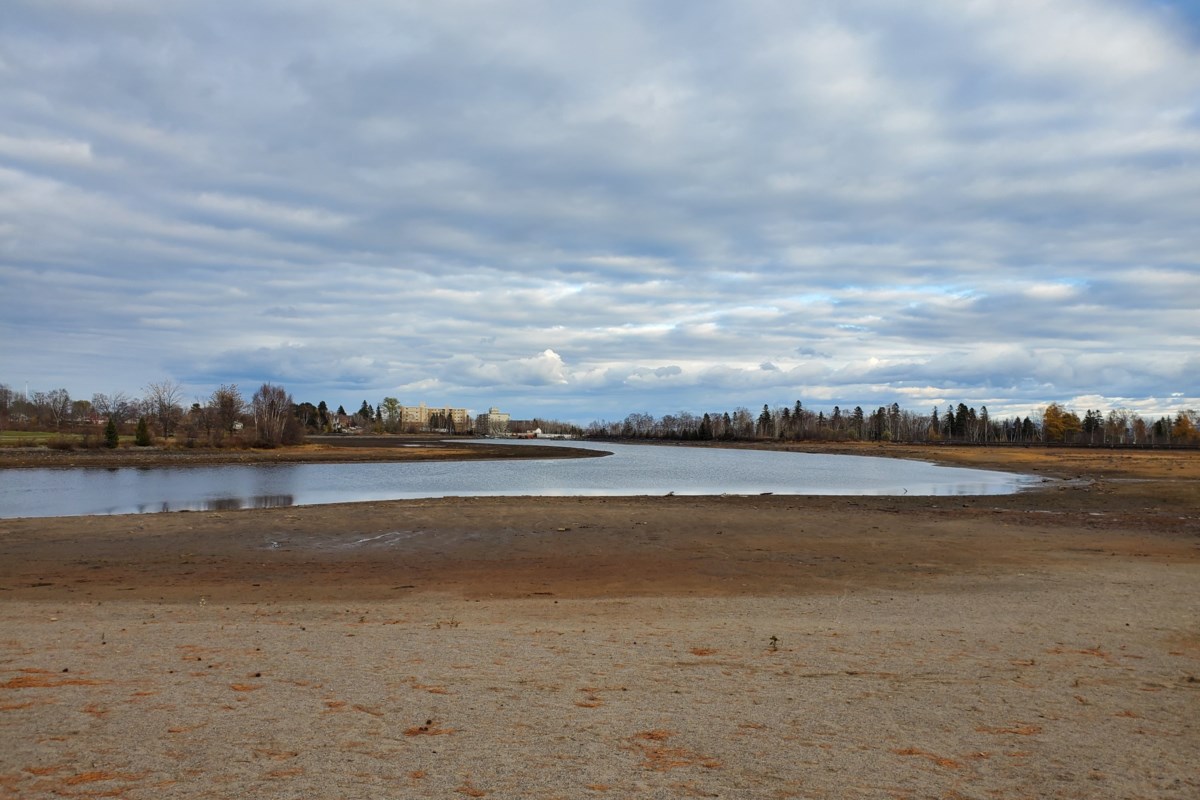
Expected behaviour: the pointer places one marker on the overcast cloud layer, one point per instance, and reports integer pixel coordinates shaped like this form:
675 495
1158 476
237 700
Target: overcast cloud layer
581 210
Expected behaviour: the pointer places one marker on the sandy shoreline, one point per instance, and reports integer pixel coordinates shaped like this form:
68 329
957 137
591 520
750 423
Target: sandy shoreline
1044 644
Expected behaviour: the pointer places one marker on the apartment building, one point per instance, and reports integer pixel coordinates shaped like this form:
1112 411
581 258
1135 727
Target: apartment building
422 418
493 423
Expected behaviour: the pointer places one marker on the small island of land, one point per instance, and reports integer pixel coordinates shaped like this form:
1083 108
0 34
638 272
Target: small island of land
1039 644
317 449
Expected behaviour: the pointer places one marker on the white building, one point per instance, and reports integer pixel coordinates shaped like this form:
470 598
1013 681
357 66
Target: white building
493 423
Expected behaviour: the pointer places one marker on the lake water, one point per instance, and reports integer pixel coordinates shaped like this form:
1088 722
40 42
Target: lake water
630 470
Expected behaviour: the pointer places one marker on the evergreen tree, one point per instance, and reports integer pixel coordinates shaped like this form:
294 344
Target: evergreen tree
960 421
142 437
764 421
111 437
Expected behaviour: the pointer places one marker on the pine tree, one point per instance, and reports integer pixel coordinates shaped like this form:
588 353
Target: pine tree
764 421
111 437
142 437
856 422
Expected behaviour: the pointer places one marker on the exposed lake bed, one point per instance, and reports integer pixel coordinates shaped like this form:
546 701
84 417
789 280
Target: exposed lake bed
1039 643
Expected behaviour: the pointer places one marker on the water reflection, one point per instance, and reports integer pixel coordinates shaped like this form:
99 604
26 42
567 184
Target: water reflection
259 501
629 470
214 504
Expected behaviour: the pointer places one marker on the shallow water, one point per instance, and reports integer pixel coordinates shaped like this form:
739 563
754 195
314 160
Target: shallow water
629 470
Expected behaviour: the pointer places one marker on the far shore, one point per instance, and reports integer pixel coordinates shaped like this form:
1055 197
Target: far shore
1056 461
325 449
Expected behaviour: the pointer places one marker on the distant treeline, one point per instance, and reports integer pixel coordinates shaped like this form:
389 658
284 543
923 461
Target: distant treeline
270 416
1055 424
222 418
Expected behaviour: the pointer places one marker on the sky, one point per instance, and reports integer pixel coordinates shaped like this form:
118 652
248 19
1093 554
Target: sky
582 210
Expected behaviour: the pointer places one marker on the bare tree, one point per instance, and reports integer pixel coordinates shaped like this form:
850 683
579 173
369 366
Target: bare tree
57 407
272 407
118 407
162 401
6 401
202 419
228 405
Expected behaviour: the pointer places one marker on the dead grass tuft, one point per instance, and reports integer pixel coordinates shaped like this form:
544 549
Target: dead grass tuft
941 761
1095 652
656 735
45 770
95 776
15 706
432 689
40 681
660 758
275 755
665 759
1015 730
470 790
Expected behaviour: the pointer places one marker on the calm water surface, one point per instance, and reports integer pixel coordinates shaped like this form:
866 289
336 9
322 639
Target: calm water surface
630 470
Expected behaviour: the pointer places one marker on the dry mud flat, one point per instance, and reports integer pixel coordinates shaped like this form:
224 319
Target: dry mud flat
1044 645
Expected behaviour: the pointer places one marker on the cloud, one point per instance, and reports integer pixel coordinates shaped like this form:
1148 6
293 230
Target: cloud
55 151
257 209
582 210
544 369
